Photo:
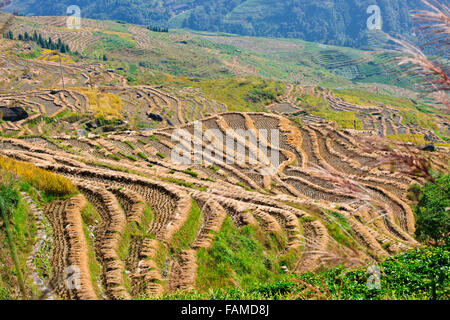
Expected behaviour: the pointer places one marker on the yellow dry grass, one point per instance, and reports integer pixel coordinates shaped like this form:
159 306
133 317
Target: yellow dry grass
416 139
39 178
52 55
104 104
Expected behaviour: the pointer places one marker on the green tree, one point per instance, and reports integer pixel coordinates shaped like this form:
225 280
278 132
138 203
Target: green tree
433 212
41 41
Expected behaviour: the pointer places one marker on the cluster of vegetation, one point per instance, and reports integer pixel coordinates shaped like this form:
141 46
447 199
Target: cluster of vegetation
15 231
41 41
432 212
420 274
36 53
417 139
158 29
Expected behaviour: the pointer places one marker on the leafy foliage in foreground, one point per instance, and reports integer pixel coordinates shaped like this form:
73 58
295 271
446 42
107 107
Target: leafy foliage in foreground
16 236
432 215
417 274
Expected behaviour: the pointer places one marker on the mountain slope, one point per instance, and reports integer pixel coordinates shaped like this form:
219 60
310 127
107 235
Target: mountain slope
212 55
339 22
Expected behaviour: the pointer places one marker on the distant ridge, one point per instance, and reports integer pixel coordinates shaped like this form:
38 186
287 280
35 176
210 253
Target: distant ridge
336 22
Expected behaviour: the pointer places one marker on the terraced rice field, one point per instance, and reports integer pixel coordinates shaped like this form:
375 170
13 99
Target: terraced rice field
384 121
160 170
148 191
141 106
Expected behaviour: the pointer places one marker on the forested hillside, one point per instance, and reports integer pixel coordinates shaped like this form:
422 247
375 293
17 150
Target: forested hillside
339 22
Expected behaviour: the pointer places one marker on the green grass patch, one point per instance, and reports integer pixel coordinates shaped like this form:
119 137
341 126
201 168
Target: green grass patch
191 173
142 155
36 53
130 144
240 184
236 258
243 94
90 218
143 142
130 157
419 274
113 156
213 168
188 232
416 139
183 183
339 228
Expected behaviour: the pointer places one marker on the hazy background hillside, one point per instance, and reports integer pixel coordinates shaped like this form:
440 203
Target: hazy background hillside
338 22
